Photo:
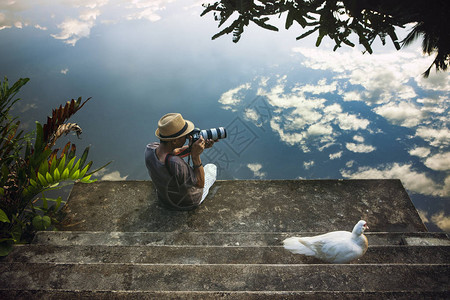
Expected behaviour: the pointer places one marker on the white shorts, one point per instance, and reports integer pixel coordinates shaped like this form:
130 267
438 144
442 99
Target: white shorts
210 178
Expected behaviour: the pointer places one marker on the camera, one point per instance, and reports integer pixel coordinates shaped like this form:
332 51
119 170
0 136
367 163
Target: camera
213 134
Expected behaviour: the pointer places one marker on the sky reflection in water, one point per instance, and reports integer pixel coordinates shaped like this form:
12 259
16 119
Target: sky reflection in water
291 110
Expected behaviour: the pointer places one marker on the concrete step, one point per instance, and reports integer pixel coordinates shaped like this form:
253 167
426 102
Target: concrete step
207 277
214 255
227 295
246 206
220 238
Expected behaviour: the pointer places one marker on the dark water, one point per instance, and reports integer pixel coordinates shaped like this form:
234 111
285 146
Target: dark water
291 110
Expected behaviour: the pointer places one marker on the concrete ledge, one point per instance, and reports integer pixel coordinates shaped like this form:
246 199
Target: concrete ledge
226 295
247 206
68 238
215 255
208 277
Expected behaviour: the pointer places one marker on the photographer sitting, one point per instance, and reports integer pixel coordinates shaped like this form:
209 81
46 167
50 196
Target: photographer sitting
179 186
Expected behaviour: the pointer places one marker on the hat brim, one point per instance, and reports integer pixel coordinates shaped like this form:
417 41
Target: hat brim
189 128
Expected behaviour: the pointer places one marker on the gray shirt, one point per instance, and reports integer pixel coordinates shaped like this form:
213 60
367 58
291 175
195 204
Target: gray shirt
177 191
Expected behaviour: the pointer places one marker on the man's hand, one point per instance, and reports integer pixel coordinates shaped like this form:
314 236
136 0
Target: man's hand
197 147
209 143
179 150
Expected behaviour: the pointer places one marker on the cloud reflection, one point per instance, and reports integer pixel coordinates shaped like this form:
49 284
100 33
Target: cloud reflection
72 28
318 115
256 169
414 181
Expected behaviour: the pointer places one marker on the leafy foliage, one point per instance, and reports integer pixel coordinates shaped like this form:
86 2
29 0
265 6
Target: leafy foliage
339 20
28 170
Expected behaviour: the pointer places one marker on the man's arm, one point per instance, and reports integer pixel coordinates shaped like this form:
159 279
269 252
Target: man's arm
196 150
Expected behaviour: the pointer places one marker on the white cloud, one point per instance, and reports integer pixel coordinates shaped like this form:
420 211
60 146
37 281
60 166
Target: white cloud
403 113
289 138
37 26
147 9
439 219
442 221
148 14
90 15
413 181
27 107
319 129
320 88
256 169
384 76
358 138
423 216
298 117
352 96
436 137
308 164
89 3
446 189
234 96
350 163
336 155
360 148
439 162
351 122
73 29
251 114
436 81
420 151
114 176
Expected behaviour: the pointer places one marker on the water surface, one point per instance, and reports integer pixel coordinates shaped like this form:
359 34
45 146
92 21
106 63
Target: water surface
291 110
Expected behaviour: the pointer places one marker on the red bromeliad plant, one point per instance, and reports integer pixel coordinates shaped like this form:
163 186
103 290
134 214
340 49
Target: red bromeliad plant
28 170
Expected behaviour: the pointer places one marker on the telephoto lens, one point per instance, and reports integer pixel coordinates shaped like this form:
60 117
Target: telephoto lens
214 133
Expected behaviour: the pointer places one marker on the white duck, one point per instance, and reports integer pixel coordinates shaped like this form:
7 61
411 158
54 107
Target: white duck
336 247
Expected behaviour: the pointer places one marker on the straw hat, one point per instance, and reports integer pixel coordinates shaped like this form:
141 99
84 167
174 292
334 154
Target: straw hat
173 126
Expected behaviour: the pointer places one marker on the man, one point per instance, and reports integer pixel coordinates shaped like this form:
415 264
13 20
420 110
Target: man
178 185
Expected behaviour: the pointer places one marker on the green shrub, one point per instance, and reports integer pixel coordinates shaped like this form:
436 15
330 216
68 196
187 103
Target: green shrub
29 169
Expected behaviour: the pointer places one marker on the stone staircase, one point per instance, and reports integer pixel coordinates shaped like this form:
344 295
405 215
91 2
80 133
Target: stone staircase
126 247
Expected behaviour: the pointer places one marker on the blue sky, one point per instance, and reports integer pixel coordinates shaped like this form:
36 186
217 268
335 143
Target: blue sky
307 112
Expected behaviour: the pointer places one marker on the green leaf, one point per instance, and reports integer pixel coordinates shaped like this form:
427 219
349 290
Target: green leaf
289 19
65 174
39 143
319 40
43 168
41 223
86 168
70 163
4 217
49 178
56 175
62 164
75 175
16 232
86 179
6 247
53 164
262 23
75 168
84 157
42 180
307 33
58 203
33 183
44 203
